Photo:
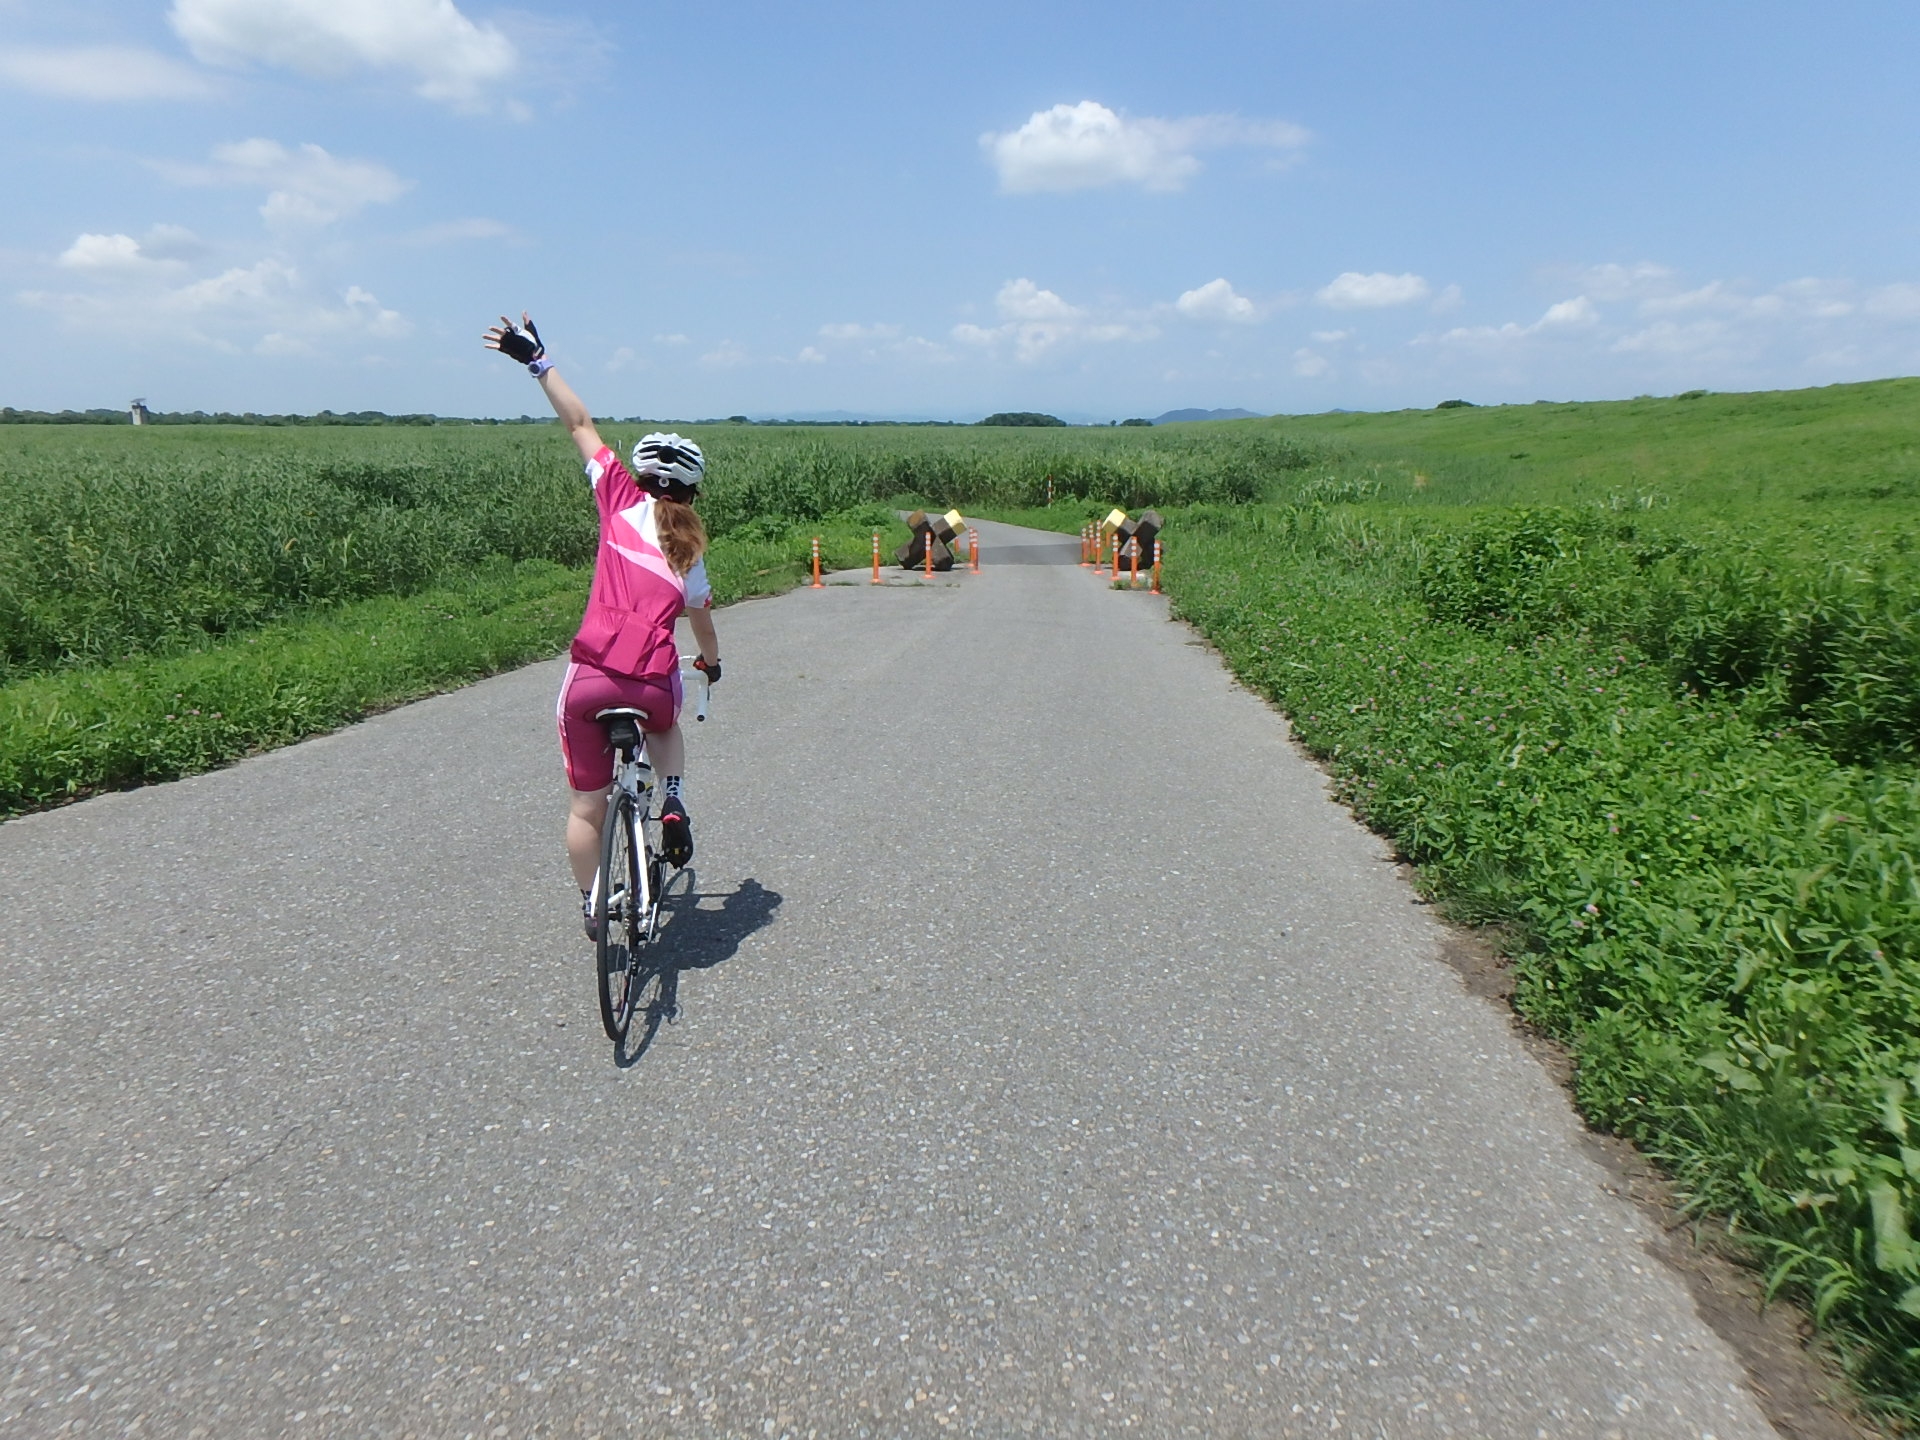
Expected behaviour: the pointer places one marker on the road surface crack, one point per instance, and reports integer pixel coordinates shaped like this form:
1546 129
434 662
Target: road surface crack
100 1254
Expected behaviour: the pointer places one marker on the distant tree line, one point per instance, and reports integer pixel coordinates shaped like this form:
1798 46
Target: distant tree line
11 416
1022 417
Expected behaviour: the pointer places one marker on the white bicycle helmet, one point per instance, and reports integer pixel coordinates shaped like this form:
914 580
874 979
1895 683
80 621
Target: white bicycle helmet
668 464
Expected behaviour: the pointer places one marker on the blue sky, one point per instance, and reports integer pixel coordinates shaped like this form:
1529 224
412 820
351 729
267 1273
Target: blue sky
1098 210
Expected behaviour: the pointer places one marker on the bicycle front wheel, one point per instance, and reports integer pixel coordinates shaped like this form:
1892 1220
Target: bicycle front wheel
618 911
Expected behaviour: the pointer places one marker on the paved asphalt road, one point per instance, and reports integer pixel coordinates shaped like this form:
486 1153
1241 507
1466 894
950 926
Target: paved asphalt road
1056 1060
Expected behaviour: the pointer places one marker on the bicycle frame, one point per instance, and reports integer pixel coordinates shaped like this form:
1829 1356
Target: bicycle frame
633 776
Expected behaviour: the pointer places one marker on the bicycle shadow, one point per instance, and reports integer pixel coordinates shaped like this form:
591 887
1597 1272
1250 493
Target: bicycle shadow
693 937
698 938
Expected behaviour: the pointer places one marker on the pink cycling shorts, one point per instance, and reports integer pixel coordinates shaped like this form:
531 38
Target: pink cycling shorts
587 691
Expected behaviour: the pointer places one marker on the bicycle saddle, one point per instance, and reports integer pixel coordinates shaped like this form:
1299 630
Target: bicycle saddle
624 724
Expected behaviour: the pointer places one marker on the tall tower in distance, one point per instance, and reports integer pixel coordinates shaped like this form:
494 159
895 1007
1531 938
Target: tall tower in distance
139 412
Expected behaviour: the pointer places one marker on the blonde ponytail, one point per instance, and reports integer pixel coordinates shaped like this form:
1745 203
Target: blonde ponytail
683 539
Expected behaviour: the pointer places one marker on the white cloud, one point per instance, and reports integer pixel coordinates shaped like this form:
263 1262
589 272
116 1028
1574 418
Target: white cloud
102 73
1448 300
172 242
1724 333
1037 321
670 339
1354 291
165 249
307 186
1672 338
244 287
1574 312
1022 300
1084 146
1331 337
451 58
876 342
1625 282
266 307
1307 365
621 358
1579 313
104 253
727 355
1215 300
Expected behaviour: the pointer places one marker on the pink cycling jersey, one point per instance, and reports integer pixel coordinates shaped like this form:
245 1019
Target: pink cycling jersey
624 653
636 596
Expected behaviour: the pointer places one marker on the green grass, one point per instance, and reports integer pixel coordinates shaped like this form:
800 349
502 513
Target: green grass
1639 684
79 730
1795 452
1720 919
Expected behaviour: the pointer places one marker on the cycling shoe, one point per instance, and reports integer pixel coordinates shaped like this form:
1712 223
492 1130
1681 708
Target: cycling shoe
676 833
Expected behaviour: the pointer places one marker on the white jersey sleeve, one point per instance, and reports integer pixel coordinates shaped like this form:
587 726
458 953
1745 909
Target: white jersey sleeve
699 589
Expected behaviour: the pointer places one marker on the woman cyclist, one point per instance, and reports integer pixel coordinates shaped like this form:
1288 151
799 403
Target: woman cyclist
648 572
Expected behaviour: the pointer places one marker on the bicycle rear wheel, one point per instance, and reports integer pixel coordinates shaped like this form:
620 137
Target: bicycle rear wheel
653 980
617 911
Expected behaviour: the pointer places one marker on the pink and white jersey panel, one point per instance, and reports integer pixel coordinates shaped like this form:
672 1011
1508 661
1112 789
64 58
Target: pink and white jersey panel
636 597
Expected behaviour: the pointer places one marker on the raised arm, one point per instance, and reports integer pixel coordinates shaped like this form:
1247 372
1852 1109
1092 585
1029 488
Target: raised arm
527 348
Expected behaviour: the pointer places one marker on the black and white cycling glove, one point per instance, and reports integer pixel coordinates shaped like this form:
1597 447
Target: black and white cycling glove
527 347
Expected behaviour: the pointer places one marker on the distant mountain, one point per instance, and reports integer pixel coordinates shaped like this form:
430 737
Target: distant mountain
1174 415
920 417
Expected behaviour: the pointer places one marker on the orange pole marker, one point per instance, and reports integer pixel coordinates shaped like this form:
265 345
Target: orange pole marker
816 564
1157 556
973 550
1116 554
1133 554
1083 547
876 557
929 554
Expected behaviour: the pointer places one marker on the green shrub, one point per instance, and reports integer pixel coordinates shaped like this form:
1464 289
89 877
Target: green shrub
1722 920
1829 647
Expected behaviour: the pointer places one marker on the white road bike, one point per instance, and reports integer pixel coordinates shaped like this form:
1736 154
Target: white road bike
632 879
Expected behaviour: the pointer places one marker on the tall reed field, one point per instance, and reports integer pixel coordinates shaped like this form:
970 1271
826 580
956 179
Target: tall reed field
169 596
1635 685
117 541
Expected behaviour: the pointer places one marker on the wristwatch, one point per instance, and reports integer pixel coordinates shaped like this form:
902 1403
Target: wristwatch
537 368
